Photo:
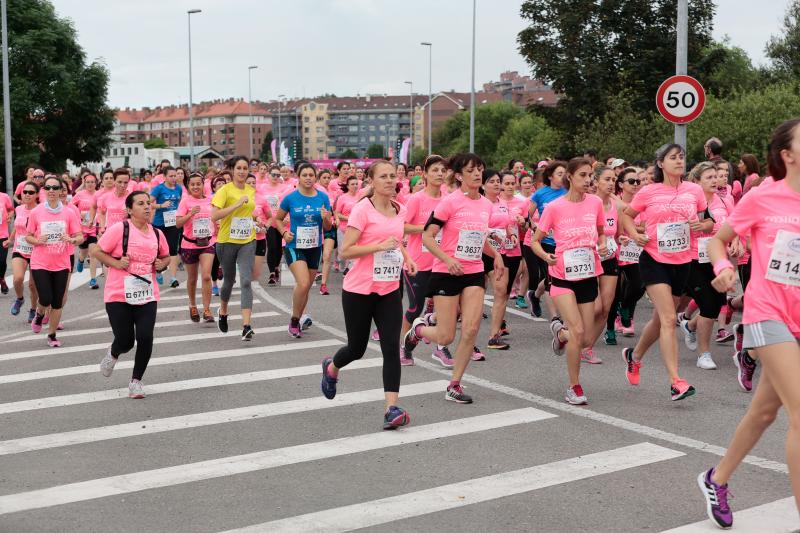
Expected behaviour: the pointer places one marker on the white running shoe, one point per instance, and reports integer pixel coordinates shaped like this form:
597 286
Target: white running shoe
576 396
135 389
705 362
305 322
107 364
689 337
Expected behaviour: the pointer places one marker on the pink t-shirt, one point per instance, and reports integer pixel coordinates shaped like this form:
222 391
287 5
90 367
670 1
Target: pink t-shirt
205 226
273 194
466 225
576 227
143 250
112 208
611 228
21 246
6 208
499 221
418 210
667 211
774 289
379 272
262 214
517 207
719 213
55 254
344 205
85 201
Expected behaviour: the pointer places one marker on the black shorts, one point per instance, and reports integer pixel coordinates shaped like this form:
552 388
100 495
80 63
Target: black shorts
331 235
654 273
610 267
15 255
585 290
173 236
550 249
191 256
311 256
261 247
87 240
444 284
512 264
488 263
416 288
708 300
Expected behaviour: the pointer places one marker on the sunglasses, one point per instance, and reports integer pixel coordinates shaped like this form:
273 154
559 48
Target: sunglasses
631 181
38 177
28 192
274 175
52 187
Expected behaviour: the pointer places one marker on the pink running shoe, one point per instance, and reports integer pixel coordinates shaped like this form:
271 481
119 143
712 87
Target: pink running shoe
629 331
588 356
405 360
375 335
618 325
477 355
53 342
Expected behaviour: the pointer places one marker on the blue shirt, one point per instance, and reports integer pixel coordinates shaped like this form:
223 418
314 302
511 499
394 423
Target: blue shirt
162 193
541 198
304 212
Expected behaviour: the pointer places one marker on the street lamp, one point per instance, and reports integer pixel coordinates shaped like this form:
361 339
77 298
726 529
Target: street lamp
6 98
472 92
250 105
430 96
280 102
191 115
411 115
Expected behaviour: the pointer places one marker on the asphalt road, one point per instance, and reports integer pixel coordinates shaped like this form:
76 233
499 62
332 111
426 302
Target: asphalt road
236 436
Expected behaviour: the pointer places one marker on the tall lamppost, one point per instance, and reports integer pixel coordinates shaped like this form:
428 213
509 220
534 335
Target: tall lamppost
191 114
411 115
6 100
250 105
280 103
430 96
472 91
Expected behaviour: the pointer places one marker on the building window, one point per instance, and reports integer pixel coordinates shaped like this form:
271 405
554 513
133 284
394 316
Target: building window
306 140
383 127
115 151
383 137
381 117
320 119
352 129
136 150
372 128
393 116
372 138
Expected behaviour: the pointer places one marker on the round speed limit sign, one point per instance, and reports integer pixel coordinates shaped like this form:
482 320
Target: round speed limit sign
680 99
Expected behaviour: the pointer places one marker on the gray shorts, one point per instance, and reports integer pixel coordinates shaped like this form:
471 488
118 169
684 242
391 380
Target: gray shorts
766 333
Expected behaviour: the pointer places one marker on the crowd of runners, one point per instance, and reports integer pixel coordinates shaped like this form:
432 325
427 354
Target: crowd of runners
577 243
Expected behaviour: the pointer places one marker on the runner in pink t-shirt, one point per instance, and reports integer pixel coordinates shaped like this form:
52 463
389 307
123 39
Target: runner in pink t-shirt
578 223
457 280
273 190
330 237
518 211
21 249
197 245
371 290
341 209
671 209
262 216
86 202
629 183
6 210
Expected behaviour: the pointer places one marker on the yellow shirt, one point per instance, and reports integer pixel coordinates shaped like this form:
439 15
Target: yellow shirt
228 196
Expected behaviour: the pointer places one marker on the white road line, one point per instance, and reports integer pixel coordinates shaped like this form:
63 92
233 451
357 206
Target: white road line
510 310
185 296
171 386
252 412
214 305
170 360
166 324
252 462
634 427
776 517
470 492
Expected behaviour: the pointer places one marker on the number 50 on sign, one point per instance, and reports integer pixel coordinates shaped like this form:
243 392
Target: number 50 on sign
680 99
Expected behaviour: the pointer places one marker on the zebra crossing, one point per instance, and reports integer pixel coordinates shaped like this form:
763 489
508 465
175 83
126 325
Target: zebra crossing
237 437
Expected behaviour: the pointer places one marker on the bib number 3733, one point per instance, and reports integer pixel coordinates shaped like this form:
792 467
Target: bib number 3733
784 261
673 237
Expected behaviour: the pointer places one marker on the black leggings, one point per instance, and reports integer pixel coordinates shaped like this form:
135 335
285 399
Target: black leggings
537 269
129 323
215 269
359 312
274 249
632 292
417 288
512 264
3 258
708 300
51 286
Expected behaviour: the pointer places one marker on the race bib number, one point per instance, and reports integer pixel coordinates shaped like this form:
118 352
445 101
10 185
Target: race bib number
86 218
702 250
201 227
387 265
508 243
137 291
241 228
784 261
307 237
437 238
273 203
673 237
53 231
23 246
630 252
579 263
170 220
495 233
612 248
470 245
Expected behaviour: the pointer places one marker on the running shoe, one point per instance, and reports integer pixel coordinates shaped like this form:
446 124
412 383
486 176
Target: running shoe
305 322
716 500
706 362
519 302
628 331
410 340
159 278
738 335
555 326
79 267
496 343
395 417
588 356
328 384
318 277
723 335
618 325
93 284
429 318
728 310
632 366
455 393
376 336
135 389
745 368
323 289
16 306
610 337
477 355
575 395
174 283
60 327
222 322
689 337
194 316
31 315
36 323
504 329
214 291
295 331
680 390
46 320
534 303
107 363
52 341
3 286
405 360
208 318
247 333
443 357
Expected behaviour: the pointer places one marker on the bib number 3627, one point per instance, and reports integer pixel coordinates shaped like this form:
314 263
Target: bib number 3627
784 261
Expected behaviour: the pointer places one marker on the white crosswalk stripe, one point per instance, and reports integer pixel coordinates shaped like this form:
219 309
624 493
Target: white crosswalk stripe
780 516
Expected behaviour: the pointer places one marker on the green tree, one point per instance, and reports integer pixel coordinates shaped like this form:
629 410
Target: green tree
491 121
784 48
155 142
418 155
58 101
527 138
375 151
266 148
348 154
729 70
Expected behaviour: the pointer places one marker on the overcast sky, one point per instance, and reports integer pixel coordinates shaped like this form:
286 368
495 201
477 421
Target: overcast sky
311 47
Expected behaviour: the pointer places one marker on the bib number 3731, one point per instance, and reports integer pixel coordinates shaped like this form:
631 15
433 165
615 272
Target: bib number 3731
784 261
